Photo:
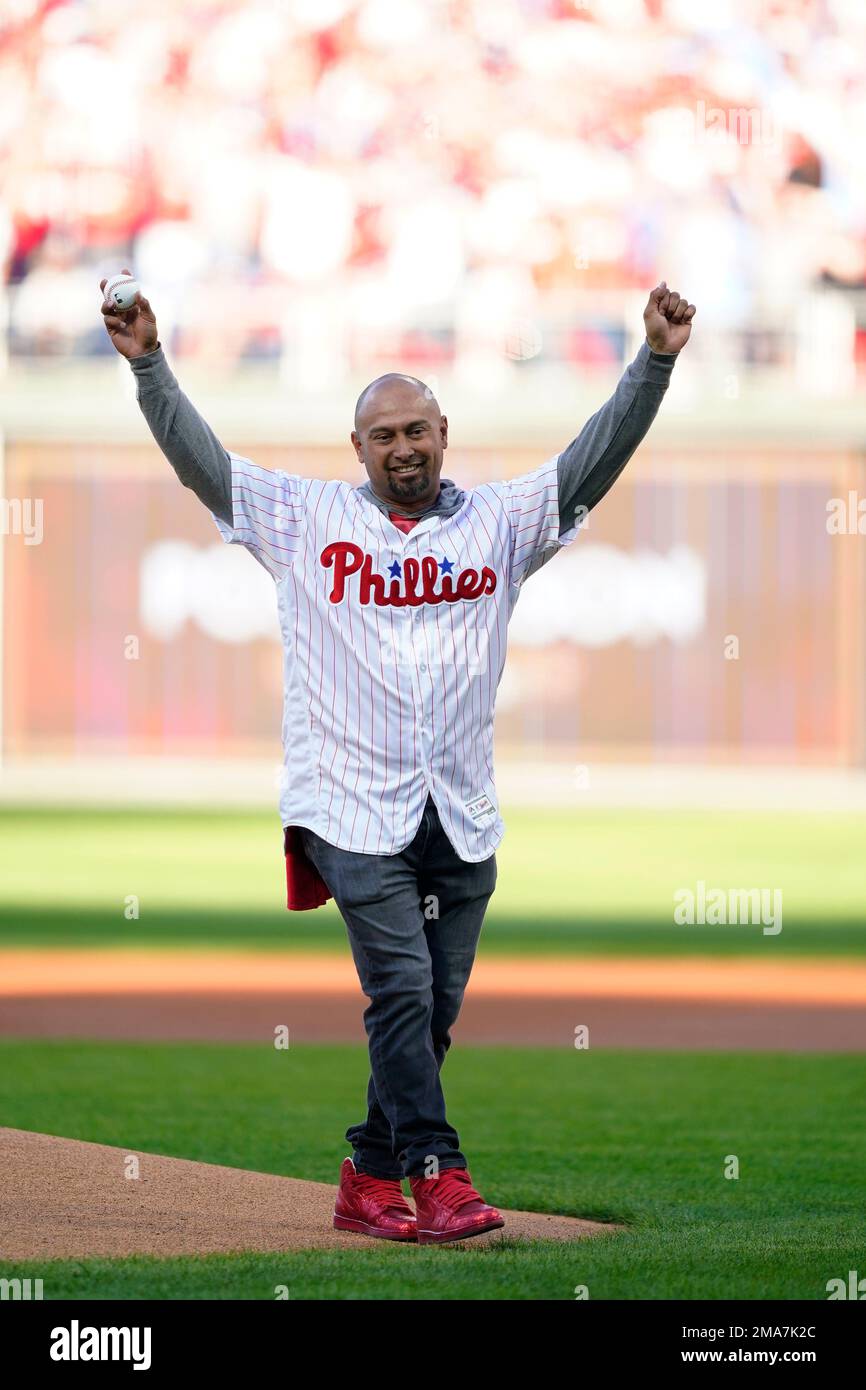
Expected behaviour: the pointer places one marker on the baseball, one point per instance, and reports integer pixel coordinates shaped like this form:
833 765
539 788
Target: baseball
120 290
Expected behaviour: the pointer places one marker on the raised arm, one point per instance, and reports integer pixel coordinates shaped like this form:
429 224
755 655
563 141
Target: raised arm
188 442
590 465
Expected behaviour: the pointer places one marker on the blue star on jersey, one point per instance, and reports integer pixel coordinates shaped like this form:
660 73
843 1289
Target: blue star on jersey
446 566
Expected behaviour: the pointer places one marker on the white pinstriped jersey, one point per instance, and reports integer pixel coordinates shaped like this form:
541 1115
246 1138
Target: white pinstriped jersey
393 647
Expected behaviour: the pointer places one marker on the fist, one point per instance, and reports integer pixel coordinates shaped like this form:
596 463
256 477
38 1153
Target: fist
668 319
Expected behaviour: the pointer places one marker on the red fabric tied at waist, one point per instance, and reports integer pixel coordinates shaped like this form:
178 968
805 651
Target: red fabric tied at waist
305 887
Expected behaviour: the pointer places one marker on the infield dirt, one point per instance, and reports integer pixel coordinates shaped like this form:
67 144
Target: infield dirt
63 1198
180 995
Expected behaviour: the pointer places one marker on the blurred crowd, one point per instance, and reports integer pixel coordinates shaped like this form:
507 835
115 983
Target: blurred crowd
338 183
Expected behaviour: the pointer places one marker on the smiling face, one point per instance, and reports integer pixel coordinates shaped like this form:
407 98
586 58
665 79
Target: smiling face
400 437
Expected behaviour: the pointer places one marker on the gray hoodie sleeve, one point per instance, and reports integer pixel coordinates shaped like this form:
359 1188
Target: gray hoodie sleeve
592 462
187 441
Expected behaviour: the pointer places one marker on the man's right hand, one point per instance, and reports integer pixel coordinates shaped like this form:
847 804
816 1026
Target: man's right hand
133 331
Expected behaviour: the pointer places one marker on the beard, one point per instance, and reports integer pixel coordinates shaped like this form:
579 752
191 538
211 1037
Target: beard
407 489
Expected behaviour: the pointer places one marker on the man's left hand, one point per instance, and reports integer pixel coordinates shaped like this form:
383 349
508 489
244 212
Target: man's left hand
668 319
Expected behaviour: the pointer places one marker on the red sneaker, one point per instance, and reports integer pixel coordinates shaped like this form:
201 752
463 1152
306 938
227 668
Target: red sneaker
449 1208
373 1206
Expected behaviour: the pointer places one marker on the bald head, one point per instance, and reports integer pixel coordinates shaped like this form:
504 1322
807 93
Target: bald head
400 436
393 381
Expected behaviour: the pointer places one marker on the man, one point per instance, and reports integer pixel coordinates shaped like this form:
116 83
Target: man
394 599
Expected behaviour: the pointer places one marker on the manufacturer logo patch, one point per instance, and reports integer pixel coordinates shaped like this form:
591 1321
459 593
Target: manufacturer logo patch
480 809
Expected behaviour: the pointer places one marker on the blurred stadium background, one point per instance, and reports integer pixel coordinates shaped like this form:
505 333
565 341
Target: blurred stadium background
481 194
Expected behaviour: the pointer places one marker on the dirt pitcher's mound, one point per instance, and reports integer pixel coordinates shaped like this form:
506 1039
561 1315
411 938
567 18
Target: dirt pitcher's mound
62 1198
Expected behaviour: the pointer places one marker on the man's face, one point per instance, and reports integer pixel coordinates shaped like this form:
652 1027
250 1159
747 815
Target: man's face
400 439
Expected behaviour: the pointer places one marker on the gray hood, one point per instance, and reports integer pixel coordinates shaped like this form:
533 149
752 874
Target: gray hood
450 500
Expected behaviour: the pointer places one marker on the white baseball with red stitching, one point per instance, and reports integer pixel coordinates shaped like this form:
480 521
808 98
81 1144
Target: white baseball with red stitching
120 290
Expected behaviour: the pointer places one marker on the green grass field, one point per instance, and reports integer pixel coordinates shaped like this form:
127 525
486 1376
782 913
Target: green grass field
614 1136
636 1138
600 882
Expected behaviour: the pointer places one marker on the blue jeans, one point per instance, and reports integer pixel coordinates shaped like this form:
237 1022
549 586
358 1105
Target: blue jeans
413 966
